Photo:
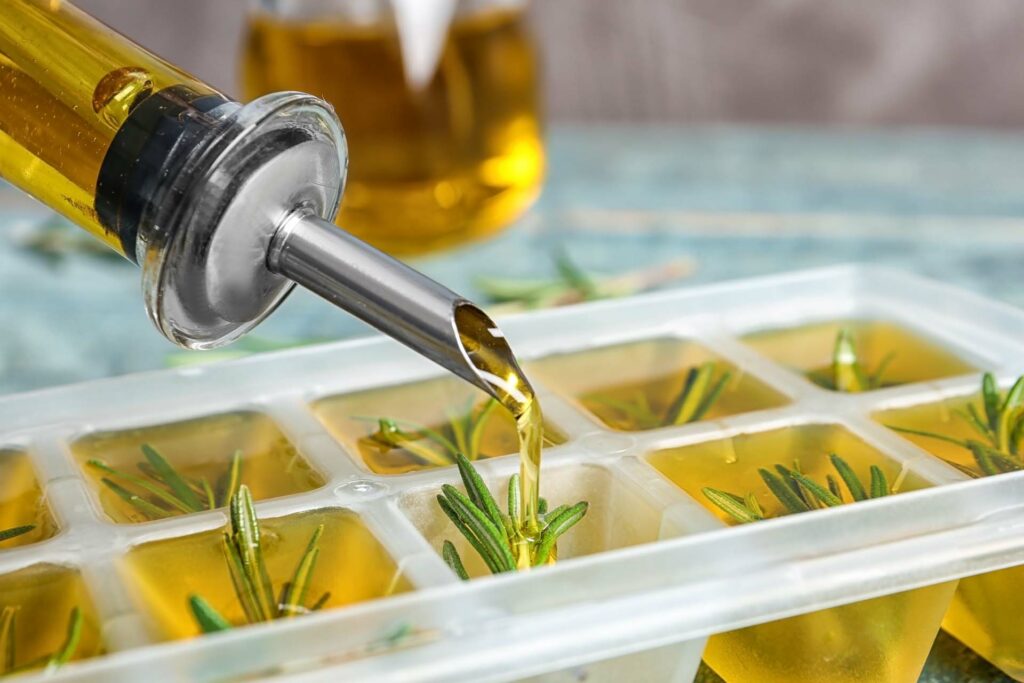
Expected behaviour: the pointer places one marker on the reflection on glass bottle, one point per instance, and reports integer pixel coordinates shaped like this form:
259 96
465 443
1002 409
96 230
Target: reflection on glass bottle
431 166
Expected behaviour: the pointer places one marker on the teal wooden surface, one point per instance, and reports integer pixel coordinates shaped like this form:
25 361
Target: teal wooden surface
738 201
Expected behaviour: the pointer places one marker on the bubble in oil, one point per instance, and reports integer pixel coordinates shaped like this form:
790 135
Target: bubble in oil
119 91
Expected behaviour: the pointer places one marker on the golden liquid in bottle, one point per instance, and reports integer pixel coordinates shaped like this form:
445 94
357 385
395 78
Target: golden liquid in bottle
67 84
491 356
457 159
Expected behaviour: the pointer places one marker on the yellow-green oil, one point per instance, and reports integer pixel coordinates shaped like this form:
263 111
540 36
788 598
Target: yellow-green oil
883 639
435 404
44 596
986 611
21 500
68 84
808 349
352 566
649 374
200 448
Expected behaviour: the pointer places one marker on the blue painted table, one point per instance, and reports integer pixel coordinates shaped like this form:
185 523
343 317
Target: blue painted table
741 202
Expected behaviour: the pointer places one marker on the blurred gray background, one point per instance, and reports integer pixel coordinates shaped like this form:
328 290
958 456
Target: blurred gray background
870 62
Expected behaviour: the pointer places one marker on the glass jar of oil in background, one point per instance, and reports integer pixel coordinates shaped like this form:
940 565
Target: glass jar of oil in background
435 161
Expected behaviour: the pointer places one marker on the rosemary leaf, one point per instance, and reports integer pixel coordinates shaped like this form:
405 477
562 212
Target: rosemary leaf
514 497
685 405
983 456
558 525
478 491
14 532
164 496
847 374
245 541
71 640
8 638
783 492
753 506
879 484
883 365
452 559
833 486
494 564
294 597
476 430
473 518
233 480
848 476
211 498
787 478
322 600
732 505
206 616
990 399
972 418
822 494
711 396
171 477
933 435
145 507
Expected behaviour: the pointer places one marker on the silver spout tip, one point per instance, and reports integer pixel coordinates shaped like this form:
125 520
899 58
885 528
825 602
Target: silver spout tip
488 357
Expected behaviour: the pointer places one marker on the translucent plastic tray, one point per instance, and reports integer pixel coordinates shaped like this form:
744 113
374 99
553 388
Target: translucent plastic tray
672 573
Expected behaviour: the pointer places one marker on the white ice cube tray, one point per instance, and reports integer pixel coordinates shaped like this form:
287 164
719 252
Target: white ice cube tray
642 610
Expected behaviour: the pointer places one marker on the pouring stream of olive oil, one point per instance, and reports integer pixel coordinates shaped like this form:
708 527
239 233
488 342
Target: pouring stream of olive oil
491 356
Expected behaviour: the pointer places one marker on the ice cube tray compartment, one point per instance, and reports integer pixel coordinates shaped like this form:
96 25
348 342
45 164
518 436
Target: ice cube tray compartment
656 592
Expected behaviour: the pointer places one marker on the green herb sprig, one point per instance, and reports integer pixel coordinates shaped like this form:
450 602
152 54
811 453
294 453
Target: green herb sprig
160 491
847 373
799 493
14 532
573 285
463 433
496 536
50 662
1001 428
254 590
700 390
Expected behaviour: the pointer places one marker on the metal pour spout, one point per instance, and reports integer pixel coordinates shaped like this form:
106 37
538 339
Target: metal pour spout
397 300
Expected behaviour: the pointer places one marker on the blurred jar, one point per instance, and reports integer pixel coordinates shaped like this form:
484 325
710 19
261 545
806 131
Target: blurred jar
456 158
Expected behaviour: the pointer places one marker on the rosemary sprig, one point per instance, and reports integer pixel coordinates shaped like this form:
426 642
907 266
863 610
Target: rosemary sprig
14 532
572 285
254 590
699 392
847 373
160 491
1000 424
799 493
50 662
497 537
462 433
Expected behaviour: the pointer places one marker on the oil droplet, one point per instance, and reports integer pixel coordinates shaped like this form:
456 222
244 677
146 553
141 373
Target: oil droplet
119 91
729 452
362 487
